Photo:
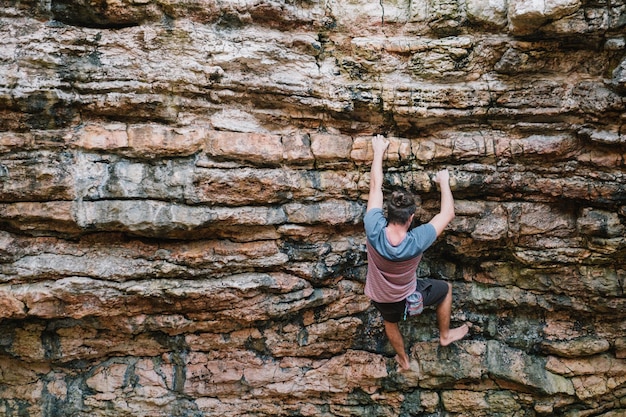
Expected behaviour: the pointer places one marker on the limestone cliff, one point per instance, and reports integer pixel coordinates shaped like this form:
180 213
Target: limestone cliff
182 186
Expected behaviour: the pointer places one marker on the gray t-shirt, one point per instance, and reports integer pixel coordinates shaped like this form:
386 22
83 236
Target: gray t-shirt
416 241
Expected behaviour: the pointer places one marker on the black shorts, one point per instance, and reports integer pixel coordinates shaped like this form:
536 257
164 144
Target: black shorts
433 291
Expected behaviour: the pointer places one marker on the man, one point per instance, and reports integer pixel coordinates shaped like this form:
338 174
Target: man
394 252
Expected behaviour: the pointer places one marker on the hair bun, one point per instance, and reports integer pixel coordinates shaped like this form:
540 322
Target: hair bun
400 206
401 199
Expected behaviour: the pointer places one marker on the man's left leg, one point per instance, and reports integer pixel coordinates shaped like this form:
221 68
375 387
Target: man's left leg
392 314
397 342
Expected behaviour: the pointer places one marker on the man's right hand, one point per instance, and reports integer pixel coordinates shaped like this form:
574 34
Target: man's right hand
442 177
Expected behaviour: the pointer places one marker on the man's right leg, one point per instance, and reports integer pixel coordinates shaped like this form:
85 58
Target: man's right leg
444 311
397 342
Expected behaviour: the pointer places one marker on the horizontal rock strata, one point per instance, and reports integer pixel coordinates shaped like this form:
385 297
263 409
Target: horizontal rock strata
182 188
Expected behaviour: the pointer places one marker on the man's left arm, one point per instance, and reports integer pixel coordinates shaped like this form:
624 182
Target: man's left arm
375 199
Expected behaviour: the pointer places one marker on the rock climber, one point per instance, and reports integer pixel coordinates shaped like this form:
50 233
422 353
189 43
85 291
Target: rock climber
394 251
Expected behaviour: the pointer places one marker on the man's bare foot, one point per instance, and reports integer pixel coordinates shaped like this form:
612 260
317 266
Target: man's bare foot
455 334
403 363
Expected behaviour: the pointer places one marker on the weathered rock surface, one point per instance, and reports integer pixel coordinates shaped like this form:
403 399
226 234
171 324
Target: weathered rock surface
182 185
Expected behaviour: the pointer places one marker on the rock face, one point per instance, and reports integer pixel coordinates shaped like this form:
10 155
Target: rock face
182 186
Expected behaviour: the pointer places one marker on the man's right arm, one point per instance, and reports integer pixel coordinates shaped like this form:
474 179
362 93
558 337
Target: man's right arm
446 213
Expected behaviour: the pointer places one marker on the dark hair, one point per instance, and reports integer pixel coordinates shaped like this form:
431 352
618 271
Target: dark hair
400 206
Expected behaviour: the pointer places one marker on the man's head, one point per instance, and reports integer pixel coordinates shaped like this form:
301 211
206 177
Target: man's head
400 207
